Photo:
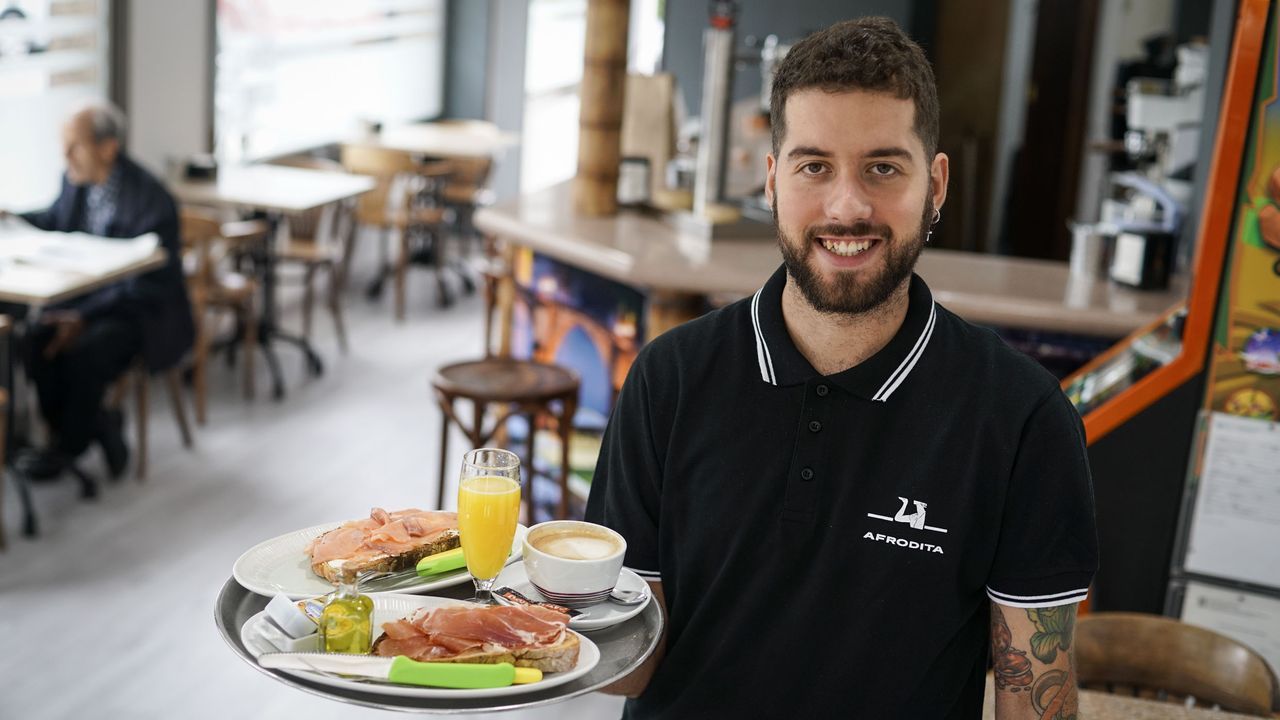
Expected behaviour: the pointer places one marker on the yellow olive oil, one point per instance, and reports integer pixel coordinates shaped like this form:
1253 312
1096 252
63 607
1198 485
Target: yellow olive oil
346 624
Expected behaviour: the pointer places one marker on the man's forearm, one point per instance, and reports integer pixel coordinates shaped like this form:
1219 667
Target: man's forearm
1034 670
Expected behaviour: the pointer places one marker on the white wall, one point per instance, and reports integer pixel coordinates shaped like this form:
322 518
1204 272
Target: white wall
169 58
504 101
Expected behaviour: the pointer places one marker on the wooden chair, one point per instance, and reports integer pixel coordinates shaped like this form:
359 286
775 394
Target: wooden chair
467 189
389 206
1161 658
140 377
518 387
535 390
320 241
213 287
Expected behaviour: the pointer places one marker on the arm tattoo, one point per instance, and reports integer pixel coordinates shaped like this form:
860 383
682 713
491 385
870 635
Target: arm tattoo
1051 691
1013 669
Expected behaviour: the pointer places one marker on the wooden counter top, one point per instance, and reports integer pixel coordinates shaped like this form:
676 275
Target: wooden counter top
639 249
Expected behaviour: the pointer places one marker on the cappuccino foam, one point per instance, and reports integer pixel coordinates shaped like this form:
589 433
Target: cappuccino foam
576 546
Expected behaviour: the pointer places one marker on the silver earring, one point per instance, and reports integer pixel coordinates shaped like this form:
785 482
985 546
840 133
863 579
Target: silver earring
937 215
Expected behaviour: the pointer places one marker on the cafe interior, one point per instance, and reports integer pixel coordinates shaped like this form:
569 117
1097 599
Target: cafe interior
412 228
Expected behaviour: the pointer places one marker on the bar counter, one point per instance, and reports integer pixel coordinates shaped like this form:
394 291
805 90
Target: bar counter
639 249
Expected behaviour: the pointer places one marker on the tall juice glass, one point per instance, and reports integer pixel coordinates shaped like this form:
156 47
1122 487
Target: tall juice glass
488 510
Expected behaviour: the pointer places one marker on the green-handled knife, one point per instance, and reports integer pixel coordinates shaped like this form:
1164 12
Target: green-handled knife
400 669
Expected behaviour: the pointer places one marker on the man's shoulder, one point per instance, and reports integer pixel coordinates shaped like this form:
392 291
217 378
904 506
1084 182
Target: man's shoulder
135 175
980 354
154 202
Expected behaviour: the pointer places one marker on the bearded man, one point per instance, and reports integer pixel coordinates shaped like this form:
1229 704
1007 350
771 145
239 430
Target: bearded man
842 494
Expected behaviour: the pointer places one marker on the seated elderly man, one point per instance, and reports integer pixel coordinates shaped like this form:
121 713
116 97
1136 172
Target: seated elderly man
78 348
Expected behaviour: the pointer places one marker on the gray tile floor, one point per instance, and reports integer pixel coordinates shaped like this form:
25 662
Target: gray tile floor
109 614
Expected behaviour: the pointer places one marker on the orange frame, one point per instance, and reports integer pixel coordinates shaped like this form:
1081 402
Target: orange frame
1211 241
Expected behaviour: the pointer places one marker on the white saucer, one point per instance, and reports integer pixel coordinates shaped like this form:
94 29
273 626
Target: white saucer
598 616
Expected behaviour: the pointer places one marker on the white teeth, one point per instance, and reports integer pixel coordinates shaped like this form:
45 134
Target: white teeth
847 249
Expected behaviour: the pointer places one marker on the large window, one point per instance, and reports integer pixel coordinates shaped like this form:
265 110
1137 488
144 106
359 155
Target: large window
553 78
53 58
292 74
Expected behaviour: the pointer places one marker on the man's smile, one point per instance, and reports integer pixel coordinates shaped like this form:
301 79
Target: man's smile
846 246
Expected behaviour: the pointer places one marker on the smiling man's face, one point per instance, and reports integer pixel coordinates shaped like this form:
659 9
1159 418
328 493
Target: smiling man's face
852 195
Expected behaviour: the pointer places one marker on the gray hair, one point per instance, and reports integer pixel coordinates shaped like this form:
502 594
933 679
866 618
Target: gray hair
107 121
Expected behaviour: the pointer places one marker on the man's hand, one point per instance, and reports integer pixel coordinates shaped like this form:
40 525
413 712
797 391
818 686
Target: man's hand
635 683
1034 671
67 326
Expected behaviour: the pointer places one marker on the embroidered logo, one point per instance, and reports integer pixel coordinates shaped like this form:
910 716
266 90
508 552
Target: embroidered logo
915 519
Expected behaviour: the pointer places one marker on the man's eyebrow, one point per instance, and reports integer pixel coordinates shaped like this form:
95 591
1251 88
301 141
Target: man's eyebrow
806 150
884 152
890 152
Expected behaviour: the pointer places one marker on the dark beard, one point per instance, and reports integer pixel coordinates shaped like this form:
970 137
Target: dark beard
846 295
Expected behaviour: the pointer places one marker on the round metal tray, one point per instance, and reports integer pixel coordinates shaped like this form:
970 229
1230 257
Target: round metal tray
623 648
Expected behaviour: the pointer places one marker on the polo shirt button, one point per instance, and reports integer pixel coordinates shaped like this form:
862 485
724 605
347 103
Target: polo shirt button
822 390
814 426
806 474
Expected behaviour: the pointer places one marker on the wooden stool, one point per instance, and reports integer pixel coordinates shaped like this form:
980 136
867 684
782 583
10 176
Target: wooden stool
524 387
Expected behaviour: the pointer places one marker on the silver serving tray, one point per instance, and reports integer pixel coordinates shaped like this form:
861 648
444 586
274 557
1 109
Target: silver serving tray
623 648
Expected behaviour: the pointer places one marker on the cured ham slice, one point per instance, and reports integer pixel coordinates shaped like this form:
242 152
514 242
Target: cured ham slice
454 631
402 536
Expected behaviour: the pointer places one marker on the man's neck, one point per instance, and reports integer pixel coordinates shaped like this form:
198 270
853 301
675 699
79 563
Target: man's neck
105 173
834 342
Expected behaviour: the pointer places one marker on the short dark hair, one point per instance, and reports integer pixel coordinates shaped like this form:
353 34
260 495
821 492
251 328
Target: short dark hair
869 53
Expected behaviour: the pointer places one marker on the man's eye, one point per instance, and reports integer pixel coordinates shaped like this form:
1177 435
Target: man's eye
812 168
883 169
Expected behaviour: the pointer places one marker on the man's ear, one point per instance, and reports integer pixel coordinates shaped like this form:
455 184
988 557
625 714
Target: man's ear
940 173
109 150
771 168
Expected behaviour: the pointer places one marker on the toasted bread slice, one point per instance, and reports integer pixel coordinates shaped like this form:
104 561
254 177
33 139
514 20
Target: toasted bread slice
332 570
559 657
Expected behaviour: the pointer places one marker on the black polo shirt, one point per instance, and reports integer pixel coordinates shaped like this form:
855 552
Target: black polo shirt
827 544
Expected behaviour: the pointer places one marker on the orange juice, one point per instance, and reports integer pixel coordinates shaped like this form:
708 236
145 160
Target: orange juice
488 508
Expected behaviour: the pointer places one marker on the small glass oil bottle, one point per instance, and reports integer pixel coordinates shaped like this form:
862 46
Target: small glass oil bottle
346 623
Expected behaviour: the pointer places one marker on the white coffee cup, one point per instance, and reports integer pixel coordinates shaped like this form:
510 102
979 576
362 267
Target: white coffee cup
573 563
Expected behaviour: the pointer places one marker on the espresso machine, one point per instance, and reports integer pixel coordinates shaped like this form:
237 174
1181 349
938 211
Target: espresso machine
1134 241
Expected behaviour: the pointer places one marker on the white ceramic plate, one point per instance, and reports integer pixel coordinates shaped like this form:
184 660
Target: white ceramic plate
595 617
388 607
281 564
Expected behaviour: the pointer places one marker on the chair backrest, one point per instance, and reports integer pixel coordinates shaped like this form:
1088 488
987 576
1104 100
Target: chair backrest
310 223
199 230
1162 658
468 180
385 166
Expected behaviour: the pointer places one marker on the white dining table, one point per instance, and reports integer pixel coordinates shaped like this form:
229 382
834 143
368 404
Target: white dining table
39 268
275 191
441 139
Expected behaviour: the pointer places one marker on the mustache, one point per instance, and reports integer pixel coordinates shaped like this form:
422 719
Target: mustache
858 229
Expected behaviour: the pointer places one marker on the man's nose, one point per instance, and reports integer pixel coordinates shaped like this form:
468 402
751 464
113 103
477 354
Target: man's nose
848 201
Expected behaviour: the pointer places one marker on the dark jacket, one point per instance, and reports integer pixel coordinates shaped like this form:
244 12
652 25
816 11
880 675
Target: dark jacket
158 299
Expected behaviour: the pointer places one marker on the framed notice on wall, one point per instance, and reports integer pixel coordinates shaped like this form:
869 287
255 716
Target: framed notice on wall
1235 526
1241 615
